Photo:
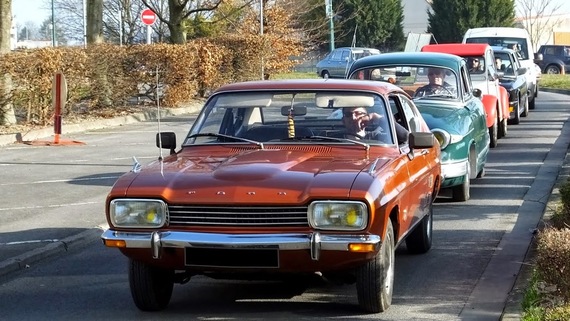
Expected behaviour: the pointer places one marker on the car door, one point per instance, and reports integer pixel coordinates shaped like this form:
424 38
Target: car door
419 168
338 69
478 124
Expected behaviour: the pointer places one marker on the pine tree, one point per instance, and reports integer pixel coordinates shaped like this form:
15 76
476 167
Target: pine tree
449 19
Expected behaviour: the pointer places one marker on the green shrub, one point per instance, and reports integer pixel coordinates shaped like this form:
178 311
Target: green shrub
559 313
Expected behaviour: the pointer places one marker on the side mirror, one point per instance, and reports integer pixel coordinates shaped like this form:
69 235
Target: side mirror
522 70
421 140
538 57
166 140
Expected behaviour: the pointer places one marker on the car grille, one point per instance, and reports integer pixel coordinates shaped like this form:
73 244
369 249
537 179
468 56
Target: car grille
183 215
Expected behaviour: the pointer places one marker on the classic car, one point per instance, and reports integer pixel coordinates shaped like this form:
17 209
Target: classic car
337 62
271 182
512 77
453 111
485 77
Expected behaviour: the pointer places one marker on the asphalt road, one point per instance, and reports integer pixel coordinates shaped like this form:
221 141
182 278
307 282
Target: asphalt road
51 257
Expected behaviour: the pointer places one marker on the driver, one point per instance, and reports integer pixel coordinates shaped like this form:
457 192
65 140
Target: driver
436 85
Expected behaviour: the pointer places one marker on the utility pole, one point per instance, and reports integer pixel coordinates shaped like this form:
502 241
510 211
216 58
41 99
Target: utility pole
52 24
330 15
261 33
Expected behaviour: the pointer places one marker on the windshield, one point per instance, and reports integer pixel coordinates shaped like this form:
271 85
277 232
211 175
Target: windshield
517 44
292 117
419 81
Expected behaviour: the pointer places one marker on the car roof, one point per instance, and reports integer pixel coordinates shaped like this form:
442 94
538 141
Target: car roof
460 49
409 58
311 84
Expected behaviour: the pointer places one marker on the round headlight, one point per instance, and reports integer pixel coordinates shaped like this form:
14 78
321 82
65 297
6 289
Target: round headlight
442 137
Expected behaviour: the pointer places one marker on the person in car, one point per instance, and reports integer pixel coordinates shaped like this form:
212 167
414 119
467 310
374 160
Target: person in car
437 84
475 66
359 124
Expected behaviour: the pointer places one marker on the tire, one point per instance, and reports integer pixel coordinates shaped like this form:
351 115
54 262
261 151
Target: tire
502 127
552 70
325 74
375 279
525 110
493 135
420 240
531 103
151 287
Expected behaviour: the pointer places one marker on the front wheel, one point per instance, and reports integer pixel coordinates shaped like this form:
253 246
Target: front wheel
553 70
151 287
420 239
525 110
375 279
493 135
502 127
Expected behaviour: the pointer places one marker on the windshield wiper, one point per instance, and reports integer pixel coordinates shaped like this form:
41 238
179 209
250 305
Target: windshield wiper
241 139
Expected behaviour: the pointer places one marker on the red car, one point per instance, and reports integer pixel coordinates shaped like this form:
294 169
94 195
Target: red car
484 74
278 179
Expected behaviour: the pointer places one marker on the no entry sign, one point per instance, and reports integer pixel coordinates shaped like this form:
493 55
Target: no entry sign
148 17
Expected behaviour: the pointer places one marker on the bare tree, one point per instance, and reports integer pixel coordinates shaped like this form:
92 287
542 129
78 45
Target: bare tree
178 12
7 115
538 18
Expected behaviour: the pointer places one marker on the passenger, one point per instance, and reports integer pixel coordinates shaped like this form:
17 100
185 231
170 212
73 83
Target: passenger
357 120
436 85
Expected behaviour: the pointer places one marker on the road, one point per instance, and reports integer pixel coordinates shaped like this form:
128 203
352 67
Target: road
51 193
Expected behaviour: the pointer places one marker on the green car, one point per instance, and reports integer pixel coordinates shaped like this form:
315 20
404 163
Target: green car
441 88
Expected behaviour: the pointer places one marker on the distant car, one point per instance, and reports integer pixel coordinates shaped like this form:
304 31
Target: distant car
554 59
512 78
485 78
337 62
267 186
455 114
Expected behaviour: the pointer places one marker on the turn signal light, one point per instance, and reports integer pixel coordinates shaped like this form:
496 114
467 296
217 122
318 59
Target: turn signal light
115 243
360 247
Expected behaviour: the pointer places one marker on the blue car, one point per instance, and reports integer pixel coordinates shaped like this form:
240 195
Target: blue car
452 108
338 61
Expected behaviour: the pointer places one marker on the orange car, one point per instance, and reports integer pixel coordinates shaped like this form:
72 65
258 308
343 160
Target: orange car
278 179
484 74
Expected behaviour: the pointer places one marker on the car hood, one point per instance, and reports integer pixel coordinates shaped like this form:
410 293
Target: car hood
453 118
250 176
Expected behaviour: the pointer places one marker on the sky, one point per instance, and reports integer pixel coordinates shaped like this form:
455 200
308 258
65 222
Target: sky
39 10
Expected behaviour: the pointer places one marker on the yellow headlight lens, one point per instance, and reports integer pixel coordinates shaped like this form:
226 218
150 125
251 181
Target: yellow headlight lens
138 213
338 215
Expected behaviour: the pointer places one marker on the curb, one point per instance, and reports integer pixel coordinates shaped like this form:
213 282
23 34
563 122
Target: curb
555 90
151 114
25 260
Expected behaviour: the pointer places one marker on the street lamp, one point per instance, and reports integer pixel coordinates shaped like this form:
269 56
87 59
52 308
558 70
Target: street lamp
330 15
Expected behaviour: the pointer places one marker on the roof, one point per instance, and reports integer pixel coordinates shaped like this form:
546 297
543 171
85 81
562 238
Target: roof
409 58
311 84
460 49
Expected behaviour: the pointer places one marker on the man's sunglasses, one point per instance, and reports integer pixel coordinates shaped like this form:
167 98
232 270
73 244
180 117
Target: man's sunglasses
354 113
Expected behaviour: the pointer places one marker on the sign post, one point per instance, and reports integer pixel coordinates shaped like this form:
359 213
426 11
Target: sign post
59 98
148 17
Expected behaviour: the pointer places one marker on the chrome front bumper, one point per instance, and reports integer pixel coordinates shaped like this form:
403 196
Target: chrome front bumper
315 242
454 169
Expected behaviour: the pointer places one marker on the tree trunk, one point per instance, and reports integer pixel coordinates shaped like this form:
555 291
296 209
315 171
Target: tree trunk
7 115
101 88
175 24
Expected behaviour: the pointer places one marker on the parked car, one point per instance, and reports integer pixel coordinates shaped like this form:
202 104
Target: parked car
267 186
485 77
337 62
517 39
455 114
554 59
512 78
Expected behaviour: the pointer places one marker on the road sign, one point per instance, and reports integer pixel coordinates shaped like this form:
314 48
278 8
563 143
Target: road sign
148 17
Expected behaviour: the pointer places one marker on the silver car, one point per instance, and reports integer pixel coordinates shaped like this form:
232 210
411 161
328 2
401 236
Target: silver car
338 61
